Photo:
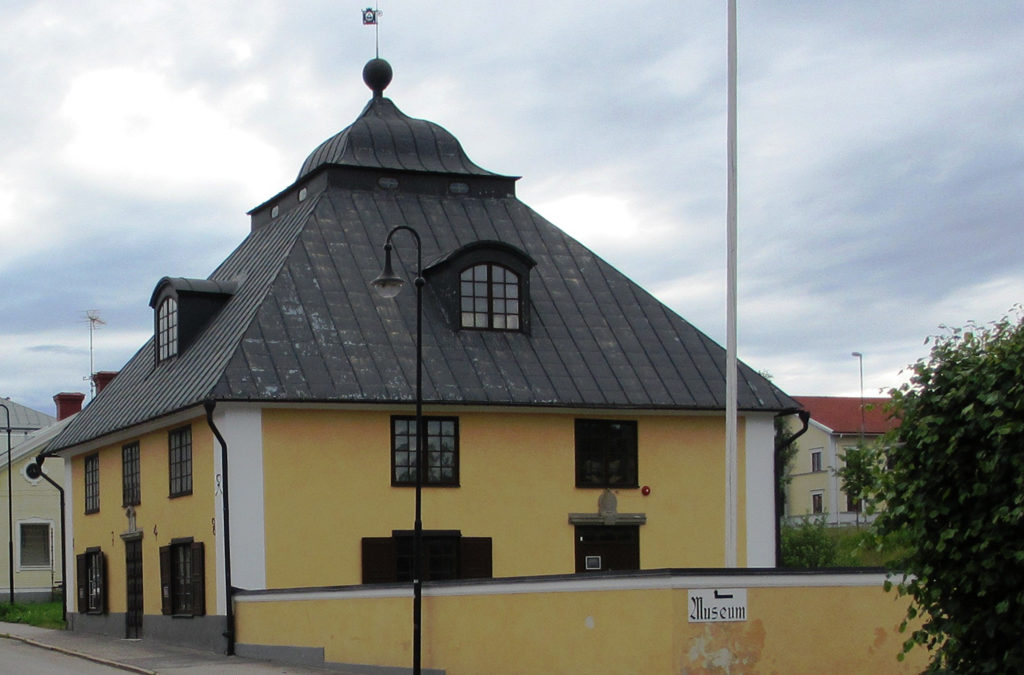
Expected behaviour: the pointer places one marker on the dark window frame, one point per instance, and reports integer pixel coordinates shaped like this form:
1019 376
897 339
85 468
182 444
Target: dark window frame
167 329
92 483
490 304
131 494
91 580
400 429
598 450
816 457
179 461
817 502
183 578
448 555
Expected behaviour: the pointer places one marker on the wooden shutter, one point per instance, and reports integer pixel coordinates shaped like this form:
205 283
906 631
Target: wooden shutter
101 560
379 565
82 581
198 579
166 603
475 558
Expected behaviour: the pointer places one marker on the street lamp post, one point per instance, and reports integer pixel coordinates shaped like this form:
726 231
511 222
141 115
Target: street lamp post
388 285
860 357
10 507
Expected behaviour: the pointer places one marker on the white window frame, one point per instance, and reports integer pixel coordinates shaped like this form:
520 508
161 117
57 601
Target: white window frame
821 494
819 452
49 543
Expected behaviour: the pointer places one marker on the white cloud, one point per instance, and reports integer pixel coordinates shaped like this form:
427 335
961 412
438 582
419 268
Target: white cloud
134 132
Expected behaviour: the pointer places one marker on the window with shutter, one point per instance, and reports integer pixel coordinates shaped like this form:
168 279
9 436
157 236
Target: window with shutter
91 581
446 555
183 578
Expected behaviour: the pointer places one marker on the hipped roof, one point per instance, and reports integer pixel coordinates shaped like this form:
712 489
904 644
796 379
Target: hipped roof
304 326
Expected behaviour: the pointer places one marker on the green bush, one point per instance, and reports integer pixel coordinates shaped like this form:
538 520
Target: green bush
808 545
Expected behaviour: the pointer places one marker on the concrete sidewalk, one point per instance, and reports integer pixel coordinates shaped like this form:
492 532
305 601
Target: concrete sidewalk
145 656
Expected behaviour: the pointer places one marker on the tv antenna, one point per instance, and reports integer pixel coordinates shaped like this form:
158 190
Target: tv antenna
93 317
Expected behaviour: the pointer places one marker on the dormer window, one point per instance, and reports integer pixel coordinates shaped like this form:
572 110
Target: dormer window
167 329
182 308
484 286
490 297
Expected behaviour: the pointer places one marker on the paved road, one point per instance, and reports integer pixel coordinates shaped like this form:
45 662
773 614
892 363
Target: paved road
18 658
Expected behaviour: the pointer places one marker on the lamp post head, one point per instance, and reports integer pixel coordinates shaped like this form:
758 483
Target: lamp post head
387 283
857 354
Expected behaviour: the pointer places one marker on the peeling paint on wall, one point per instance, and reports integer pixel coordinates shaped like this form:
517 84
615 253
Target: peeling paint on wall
725 648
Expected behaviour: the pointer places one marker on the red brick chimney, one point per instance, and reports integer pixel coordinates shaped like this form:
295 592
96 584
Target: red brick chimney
103 378
68 403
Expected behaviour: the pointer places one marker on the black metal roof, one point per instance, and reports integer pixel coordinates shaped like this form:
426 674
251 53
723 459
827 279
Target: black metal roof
304 326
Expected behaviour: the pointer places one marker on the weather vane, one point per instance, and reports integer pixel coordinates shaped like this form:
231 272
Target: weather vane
371 16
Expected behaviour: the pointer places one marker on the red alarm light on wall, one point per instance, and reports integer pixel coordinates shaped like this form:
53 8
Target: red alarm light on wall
645 490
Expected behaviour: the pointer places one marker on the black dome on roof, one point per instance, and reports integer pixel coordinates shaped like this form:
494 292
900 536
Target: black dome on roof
384 137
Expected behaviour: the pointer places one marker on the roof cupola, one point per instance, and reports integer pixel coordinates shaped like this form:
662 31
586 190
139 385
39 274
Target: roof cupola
383 137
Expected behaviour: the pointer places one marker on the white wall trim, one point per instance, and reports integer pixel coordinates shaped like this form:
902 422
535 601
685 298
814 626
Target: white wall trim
69 539
760 486
242 428
583 584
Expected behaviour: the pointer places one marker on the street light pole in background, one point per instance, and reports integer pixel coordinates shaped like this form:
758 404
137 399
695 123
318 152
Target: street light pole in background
388 284
10 507
860 357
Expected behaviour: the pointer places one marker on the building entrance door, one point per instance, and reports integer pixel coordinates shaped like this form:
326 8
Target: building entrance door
133 568
607 547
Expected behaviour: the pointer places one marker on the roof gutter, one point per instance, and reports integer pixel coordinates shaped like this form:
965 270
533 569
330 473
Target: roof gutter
781 442
229 632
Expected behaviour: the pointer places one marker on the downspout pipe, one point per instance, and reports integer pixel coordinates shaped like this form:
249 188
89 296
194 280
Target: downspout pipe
781 442
229 633
36 471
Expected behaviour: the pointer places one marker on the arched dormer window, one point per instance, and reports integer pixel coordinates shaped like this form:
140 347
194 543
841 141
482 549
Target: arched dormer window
167 329
181 310
485 286
490 297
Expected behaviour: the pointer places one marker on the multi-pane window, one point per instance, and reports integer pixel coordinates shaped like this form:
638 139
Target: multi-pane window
606 453
92 484
441 449
490 297
92 594
167 329
179 454
130 494
35 544
182 578
817 502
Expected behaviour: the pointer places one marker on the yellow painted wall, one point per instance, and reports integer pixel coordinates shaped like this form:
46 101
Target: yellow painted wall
327 485
790 630
159 517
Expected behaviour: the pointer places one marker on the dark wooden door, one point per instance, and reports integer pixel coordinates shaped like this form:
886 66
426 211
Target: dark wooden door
133 567
607 547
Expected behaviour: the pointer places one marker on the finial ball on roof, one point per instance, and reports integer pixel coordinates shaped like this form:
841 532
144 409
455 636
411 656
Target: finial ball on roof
377 75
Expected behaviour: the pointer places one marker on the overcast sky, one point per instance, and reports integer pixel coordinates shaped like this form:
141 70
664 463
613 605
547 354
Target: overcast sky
881 157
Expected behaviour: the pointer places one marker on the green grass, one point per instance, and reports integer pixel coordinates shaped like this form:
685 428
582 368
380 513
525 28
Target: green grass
857 547
42 614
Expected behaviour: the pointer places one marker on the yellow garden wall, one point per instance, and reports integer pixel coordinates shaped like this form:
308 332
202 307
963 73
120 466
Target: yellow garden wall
828 623
327 485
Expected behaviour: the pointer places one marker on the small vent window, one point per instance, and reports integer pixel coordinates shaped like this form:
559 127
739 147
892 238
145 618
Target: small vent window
167 329
490 297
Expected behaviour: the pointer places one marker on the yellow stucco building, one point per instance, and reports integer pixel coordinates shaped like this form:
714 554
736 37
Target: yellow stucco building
248 480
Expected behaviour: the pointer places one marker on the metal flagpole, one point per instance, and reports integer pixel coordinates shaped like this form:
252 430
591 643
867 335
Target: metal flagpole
731 453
